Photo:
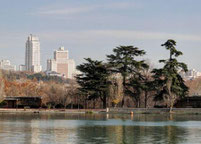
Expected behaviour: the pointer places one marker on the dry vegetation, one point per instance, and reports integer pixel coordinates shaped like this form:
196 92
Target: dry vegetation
194 87
61 93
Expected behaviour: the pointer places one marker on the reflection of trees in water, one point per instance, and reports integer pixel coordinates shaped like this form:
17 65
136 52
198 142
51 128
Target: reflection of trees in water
92 134
131 134
54 128
13 131
162 134
106 134
175 134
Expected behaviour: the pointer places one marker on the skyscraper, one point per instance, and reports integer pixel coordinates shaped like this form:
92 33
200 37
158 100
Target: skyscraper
32 54
62 64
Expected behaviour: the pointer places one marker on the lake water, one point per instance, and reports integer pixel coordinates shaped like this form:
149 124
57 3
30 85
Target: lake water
99 129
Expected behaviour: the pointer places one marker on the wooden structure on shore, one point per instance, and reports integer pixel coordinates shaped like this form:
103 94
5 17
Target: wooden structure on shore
22 102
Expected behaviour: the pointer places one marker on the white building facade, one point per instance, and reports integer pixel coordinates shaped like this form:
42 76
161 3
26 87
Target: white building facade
190 75
32 54
22 68
62 64
6 65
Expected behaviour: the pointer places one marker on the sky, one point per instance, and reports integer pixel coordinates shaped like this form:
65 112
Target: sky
92 28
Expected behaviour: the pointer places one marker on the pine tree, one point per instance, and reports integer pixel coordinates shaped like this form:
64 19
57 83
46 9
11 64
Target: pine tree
139 87
124 61
94 80
169 84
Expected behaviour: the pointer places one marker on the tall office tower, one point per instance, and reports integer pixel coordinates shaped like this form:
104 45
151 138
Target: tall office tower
32 56
61 64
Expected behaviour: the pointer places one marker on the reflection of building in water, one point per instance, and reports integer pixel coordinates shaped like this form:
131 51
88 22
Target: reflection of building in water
35 133
65 132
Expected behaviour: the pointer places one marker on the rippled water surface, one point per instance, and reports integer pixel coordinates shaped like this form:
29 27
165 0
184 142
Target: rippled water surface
99 128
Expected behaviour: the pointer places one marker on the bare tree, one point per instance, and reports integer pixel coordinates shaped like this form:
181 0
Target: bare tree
2 85
116 90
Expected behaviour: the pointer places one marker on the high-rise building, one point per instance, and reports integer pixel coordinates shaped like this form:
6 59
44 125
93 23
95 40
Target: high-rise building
32 54
61 64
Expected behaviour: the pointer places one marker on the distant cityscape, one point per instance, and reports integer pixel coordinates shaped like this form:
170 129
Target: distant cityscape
60 65
190 75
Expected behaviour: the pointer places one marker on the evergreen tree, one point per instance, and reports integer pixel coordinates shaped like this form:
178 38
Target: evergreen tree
140 87
94 80
124 61
169 84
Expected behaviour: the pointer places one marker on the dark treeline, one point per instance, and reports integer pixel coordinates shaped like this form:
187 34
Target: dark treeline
125 81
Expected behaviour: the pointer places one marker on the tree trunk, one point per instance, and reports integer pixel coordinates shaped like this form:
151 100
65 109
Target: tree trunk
171 101
85 104
124 85
145 99
173 98
122 102
78 103
139 106
104 102
94 104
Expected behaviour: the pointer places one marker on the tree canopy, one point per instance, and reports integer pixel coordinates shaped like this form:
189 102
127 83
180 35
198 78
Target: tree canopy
94 79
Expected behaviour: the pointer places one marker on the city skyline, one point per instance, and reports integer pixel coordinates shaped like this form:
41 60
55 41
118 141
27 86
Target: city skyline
94 28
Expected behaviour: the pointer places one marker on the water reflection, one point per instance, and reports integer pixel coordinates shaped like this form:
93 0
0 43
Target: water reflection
99 128
125 134
35 132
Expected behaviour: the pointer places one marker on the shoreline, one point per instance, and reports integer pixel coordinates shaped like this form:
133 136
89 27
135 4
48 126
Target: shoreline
106 111
79 111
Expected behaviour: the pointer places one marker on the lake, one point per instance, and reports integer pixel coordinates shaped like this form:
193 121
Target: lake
31 128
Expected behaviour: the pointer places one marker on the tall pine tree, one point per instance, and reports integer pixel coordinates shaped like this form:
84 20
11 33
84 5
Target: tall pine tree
123 60
93 80
169 84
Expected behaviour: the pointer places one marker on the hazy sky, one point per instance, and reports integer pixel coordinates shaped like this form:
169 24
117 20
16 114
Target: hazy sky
92 28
